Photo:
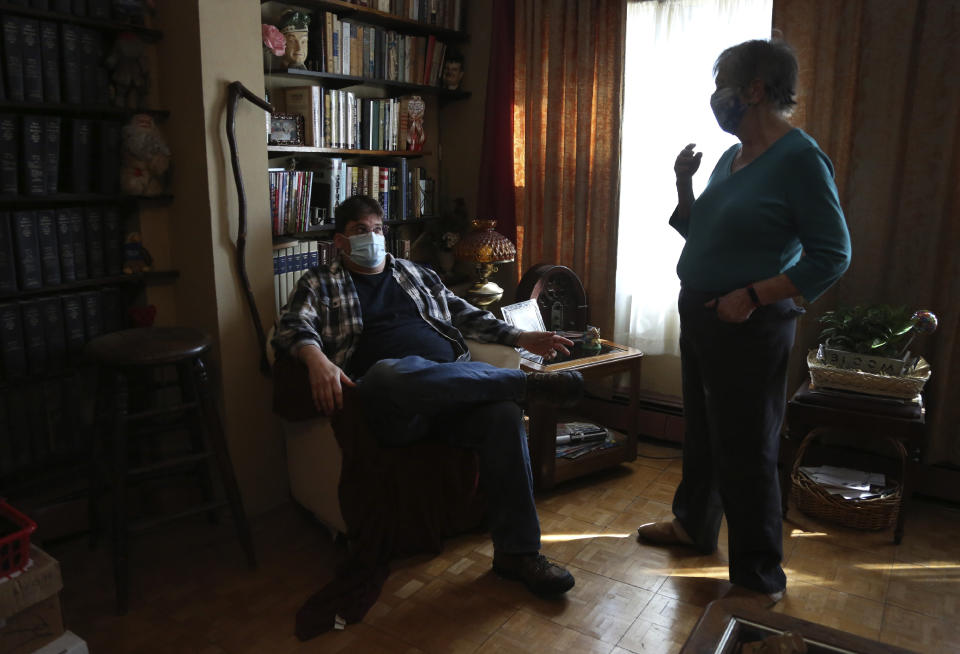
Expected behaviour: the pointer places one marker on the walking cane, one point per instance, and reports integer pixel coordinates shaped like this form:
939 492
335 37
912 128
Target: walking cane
238 90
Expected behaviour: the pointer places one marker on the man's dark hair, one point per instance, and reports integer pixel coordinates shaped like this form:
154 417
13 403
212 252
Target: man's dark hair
355 208
773 62
454 57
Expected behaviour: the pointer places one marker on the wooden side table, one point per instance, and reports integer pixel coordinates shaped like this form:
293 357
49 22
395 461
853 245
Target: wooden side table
862 417
547 469
727 624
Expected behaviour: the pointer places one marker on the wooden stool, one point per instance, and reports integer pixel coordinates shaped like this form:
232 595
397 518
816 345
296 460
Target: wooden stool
128 362
862 417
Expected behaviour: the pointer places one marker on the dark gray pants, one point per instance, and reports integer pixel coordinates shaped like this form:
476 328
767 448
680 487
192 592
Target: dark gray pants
734 396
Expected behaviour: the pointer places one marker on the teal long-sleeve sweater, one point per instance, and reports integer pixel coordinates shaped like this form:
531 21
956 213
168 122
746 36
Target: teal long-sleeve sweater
757 222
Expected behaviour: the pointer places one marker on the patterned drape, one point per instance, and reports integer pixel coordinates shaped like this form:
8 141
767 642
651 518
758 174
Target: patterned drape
568 94
880 89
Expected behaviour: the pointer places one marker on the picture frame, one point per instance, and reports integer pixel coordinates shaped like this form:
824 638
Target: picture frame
285 129
525 316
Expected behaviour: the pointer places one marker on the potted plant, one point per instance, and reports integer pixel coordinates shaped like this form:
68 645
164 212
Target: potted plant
873 338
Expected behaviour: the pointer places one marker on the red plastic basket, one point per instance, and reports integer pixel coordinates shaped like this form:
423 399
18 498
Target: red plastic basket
15 547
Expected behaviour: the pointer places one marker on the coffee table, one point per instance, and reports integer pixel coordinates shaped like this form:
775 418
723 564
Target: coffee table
548 470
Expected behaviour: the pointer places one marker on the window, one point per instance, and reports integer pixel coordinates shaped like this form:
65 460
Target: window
671 48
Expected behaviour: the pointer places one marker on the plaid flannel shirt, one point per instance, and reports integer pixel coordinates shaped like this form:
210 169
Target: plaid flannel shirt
324 310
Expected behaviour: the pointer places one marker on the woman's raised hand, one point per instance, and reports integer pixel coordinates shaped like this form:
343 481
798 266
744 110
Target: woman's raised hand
687 163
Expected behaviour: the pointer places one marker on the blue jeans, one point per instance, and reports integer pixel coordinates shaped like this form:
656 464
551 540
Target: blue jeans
473 405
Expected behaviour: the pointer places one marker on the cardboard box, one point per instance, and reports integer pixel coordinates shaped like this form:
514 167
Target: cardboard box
68 643
32 628
35 583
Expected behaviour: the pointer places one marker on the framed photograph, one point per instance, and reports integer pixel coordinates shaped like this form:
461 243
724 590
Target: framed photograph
526 317
286 129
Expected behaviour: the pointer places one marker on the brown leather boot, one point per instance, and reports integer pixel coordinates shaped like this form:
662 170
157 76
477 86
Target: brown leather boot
538 574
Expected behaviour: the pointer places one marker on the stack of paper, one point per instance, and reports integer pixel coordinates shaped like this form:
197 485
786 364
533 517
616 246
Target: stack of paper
848 483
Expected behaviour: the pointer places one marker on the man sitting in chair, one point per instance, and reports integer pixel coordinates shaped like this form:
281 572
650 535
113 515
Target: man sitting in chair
390 328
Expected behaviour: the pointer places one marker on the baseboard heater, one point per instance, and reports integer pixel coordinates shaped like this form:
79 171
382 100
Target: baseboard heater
658 416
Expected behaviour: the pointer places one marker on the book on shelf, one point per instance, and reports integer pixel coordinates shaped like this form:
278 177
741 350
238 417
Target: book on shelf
308 102
108 157
36 349
32 155
53 331
11 341
73 327
93 238
49 248
92 314
112 241
27 250
32 60
89 48
8 265
71 74
51 153
9 154
50 58
79 158
79 241
65 244
13 57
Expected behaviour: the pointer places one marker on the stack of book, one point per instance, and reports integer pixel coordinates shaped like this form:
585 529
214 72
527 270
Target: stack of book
574 439
290 193
291 261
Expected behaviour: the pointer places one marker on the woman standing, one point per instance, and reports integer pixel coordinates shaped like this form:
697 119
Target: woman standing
768 227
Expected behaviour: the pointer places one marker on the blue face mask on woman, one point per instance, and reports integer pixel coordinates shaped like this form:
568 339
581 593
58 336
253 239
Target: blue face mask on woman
367 250
727 108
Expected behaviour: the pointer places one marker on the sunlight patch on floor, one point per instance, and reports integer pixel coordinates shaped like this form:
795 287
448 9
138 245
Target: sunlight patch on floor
562 538
799 533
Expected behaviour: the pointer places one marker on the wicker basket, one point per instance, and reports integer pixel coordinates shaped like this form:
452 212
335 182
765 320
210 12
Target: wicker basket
815 501
905 387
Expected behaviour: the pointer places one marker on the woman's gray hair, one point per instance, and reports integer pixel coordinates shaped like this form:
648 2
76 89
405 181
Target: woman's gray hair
773 62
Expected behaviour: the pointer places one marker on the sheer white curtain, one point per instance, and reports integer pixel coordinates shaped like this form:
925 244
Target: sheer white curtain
671 47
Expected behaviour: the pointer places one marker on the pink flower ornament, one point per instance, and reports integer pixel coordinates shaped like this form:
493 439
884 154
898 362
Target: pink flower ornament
273 40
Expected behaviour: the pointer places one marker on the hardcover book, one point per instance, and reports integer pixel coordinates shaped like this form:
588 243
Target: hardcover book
109 155
79 155
33 152
112 242
11 341
93 228
51 153
50 56
36 347
71 70
65 244
49 250
27 249
73 323
92 314
8 266
13 57
32 60
79 240
53 332
9 158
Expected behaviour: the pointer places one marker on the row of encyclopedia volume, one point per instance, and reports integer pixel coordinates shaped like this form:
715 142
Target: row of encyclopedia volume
346 47
291 261
49 247
39 421
46 61
44 155
44 335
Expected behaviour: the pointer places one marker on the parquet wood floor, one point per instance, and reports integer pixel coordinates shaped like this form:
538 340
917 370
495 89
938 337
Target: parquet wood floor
191 592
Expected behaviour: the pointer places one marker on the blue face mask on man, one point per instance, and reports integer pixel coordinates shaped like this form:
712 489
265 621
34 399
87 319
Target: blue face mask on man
727 108
367 250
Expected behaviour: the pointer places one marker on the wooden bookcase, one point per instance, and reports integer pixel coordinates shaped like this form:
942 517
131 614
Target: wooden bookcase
404 230
44 404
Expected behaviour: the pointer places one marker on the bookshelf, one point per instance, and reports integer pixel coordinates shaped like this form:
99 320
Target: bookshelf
399 56
63 221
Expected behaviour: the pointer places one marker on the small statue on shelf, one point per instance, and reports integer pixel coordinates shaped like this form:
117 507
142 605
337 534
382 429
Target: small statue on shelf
295 25
129 72
415 134
136 258
146 158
